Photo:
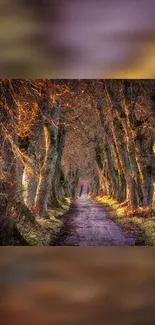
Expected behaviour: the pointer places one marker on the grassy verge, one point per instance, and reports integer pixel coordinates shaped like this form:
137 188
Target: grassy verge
40 231
140 222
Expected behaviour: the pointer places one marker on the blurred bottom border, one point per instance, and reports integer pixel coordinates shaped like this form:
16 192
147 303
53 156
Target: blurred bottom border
72 285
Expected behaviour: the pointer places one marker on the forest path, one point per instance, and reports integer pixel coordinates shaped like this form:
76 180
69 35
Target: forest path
87 224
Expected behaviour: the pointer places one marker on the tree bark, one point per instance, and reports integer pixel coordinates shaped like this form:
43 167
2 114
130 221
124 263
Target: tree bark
48 138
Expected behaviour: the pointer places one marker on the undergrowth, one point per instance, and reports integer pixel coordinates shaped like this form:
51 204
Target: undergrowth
140 222
31 231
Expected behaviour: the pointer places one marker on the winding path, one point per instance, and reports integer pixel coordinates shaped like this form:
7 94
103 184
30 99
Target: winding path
87 224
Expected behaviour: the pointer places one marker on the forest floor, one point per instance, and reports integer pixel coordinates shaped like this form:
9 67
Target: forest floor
87 224
100 221
39 232
139 222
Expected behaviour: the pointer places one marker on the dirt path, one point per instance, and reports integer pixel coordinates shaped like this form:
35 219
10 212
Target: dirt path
87 224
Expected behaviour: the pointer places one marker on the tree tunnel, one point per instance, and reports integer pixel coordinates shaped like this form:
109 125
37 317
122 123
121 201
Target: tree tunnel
67 138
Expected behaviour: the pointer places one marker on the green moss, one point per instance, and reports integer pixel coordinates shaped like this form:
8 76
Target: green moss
145 225
148 226
39 232
52 224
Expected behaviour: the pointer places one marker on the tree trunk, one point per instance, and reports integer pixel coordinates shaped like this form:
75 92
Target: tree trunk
49 139
56 184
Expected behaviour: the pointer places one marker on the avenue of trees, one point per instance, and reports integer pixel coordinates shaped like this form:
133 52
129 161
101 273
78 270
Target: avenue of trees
56 133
